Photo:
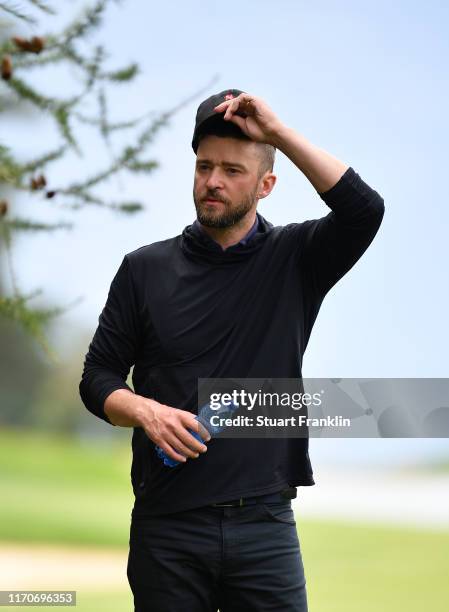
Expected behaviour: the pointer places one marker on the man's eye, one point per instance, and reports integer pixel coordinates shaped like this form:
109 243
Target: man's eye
232 170
202 167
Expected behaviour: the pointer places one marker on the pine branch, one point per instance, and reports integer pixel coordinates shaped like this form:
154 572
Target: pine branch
32 320
50 57
103 121
16 12
126 158
92 67
128 207
43 160
58 108
147 135
87 199
88 21
25 91
43 6
123 75
10 171
14 173
62 117
142 166
25 224
120 125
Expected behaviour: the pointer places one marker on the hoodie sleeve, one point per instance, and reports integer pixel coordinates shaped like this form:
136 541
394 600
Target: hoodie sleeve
330 246
115 344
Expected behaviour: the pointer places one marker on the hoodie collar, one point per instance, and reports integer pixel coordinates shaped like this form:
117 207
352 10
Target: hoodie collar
197 226
197 244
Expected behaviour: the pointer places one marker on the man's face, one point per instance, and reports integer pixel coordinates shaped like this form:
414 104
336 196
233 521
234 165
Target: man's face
226 181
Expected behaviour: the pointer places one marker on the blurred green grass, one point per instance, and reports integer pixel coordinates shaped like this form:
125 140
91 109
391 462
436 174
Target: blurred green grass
371 567
58 490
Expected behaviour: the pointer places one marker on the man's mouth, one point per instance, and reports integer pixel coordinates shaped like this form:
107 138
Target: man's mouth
212 201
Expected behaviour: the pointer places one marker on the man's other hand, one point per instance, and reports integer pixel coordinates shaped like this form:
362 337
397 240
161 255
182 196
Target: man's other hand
168 428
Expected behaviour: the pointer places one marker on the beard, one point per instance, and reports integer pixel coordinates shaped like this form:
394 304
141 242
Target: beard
230 216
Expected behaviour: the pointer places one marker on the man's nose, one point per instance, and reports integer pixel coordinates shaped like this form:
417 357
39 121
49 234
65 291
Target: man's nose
214 180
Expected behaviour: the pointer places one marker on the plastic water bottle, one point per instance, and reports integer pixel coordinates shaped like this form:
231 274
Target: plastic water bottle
203 418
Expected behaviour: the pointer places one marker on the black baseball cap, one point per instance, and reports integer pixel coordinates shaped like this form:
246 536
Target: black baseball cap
206 114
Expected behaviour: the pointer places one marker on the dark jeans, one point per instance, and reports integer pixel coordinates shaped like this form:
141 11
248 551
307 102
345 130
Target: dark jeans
235 559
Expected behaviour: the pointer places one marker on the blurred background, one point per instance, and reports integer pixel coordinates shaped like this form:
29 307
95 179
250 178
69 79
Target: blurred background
97 107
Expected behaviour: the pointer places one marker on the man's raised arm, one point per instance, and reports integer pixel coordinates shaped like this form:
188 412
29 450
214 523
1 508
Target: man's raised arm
330 246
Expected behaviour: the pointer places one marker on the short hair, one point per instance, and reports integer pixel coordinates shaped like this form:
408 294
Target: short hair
216 126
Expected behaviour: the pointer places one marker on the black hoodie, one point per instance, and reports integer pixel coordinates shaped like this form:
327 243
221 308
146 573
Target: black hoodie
184 308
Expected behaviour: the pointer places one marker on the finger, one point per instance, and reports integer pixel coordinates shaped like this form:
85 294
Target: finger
239 121
178 445
190 422
226 109
232 108
222 106
190 442
201 431
246 101
243 100
171 452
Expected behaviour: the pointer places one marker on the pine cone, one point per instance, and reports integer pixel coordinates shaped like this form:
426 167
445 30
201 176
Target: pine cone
35 45
3 208
21 43
38 183
6 67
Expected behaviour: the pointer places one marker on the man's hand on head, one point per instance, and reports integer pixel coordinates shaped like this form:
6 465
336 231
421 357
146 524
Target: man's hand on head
253 116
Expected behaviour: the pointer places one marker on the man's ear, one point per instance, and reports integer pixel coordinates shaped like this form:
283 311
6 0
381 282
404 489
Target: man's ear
267 182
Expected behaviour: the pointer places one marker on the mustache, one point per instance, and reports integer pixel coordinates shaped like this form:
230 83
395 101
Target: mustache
214 196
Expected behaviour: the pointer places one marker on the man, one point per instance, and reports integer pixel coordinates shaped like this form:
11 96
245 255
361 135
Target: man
232 296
